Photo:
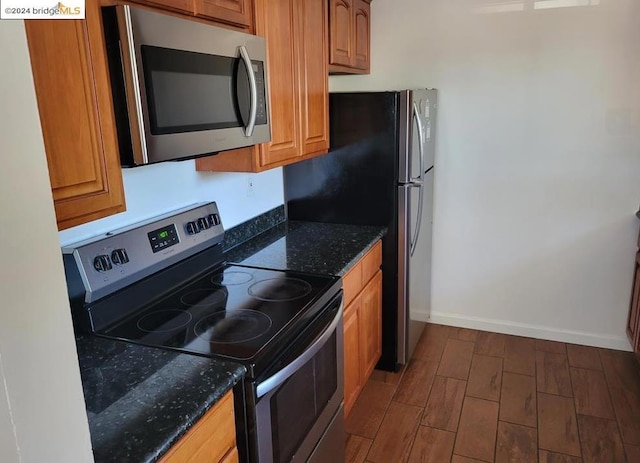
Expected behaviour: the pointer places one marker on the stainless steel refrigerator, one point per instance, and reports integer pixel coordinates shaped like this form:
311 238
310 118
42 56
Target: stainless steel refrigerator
379 171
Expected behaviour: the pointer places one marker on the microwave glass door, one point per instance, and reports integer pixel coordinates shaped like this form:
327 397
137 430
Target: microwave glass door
189 92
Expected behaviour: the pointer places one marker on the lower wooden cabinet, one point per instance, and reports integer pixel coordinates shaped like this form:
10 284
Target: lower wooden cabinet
212 439
362 323
370 324
633 323
352 383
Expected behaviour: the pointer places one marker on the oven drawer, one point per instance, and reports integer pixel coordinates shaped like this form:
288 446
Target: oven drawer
211 439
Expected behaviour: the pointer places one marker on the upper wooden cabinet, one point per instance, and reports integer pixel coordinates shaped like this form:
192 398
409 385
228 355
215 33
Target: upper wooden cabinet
232 11
236 12
185 6
296 32
74 101
350 31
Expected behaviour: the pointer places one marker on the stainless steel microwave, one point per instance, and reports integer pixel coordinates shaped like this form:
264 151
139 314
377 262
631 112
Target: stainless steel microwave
181 88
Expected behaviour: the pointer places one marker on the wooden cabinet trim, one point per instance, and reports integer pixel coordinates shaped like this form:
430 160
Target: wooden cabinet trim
210 439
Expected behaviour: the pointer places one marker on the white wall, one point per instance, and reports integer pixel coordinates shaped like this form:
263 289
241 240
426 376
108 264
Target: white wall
538 156
42 413
155 189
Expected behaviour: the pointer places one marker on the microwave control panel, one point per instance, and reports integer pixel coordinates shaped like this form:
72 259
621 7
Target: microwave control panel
261 112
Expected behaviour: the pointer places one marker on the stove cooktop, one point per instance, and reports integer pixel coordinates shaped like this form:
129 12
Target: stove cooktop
238 313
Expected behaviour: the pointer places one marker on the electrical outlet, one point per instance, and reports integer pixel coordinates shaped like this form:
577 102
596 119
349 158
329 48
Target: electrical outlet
250 186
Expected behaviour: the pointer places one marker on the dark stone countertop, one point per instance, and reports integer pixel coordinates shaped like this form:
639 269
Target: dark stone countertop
141 400
312 247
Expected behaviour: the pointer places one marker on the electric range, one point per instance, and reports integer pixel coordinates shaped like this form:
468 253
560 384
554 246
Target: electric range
164 283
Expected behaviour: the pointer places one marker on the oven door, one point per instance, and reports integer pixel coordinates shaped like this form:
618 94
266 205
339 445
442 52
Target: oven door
299 413
191 88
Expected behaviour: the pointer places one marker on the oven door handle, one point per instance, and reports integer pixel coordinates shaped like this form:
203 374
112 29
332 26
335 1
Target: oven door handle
280 377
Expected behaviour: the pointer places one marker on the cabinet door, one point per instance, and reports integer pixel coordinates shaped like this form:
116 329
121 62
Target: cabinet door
232 11
180 5
210 439
352 383
276 21
370 323
314 84
341 24
362 28
634 310
74 100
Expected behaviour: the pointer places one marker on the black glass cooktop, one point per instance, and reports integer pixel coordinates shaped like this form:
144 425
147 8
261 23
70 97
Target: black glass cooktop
238 313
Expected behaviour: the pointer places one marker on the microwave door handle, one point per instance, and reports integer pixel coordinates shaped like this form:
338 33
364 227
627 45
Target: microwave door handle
280 377
244 54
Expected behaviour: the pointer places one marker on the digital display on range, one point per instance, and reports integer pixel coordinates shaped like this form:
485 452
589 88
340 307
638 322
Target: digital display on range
163 238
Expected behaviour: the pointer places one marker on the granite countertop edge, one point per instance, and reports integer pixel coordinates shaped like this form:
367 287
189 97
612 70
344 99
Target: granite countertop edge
362 253
141 400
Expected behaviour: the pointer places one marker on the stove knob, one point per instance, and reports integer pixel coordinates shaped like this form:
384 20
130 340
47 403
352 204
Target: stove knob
192 228
119 257
213 219
102 263
203 223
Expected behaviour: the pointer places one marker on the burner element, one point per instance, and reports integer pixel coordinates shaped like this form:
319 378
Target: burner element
163 321
232 278
204 297
233 327
279 289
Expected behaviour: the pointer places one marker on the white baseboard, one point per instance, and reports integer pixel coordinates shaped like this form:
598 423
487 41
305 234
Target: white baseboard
524 329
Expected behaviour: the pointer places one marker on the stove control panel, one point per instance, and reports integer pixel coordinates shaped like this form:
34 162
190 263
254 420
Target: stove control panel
122 257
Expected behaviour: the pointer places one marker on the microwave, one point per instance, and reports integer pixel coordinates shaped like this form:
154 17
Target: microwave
183 89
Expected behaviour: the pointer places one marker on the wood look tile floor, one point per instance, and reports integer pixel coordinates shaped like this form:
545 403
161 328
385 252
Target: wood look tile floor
470 396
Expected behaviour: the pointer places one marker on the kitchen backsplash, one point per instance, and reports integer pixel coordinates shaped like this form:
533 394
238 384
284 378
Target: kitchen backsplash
155 189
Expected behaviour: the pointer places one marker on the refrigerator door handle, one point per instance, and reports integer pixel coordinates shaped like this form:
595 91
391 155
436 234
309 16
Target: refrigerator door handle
416 232
418 182
416 116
